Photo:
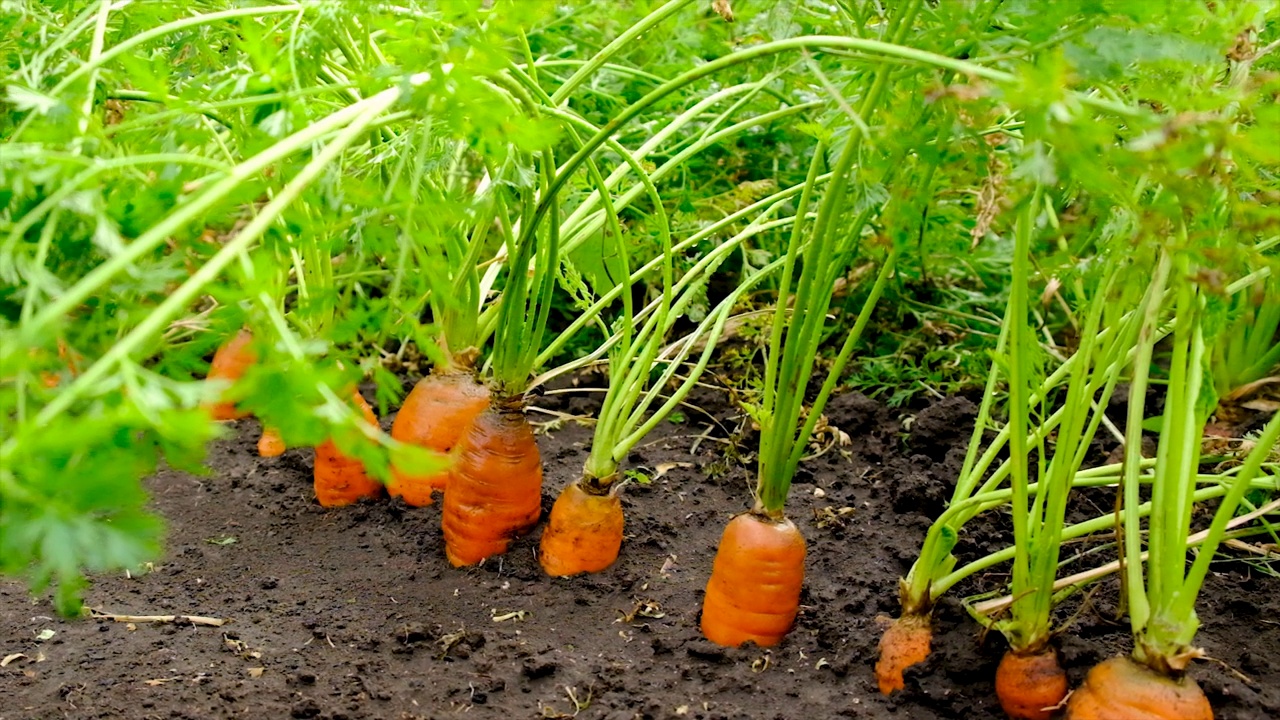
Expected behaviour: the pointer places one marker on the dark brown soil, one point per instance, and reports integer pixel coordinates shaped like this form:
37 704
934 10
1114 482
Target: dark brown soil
355 613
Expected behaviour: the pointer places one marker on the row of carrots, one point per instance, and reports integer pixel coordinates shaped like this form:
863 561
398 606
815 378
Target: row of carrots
494 481
494 491
494 486
493 496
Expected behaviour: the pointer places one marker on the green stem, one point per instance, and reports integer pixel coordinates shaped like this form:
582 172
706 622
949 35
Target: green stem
154 33
154 237
154 322
1139 607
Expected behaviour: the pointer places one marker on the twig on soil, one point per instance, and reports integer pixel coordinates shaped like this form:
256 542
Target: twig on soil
192 619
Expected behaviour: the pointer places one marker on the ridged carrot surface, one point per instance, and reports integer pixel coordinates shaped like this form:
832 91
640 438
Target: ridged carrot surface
584 532
436 413
906 643
754 590
1030 686
340 479
1123 689
230 362
270 444
495 488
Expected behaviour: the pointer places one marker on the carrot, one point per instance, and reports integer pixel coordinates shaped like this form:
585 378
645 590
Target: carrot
754 590
1031 686
340 479
904 644
437 412
229 363
51 379
1123 689
270 444
495 487
584 532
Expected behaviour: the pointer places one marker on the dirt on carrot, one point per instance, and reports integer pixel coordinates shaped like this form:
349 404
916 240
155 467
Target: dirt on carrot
905 643
584 532
1123 689
270 444
754 590
1031 686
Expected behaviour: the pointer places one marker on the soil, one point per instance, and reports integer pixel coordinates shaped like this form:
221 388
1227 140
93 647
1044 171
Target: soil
354 613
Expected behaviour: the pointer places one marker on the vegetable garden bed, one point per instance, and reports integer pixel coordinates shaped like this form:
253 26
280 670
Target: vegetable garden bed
355 612
499 260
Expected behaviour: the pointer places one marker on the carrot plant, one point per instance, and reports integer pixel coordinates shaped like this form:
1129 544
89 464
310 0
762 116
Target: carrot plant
208 170
443 404
754 590
1247 355
1162 591
1030 683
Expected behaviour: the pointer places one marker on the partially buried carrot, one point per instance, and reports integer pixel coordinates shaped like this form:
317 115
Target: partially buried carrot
230 362
270 444
905 643
495 487
340 479
1122 689
70 359
754 590
1031 686
584 531
439 409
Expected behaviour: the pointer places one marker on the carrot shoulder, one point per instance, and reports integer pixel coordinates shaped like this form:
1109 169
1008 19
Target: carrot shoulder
270 444
905 643
341 479
584 532
495 487
1031 686
230 362
754 590
1123 689
436 413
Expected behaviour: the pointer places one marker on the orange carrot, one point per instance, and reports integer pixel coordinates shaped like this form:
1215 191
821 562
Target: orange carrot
495 487
230 363
1122 689
437 412
270 444
1031 685
584 532
71 359
904 644
342 480
754 590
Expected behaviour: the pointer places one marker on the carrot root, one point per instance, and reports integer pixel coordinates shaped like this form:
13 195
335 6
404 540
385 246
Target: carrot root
230 362
754 590
270 444
906 643
71 360
435 415
1031 686
584 532
341 479
495 487
1123 689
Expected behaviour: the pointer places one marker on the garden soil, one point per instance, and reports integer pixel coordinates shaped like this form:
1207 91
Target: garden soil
354 613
